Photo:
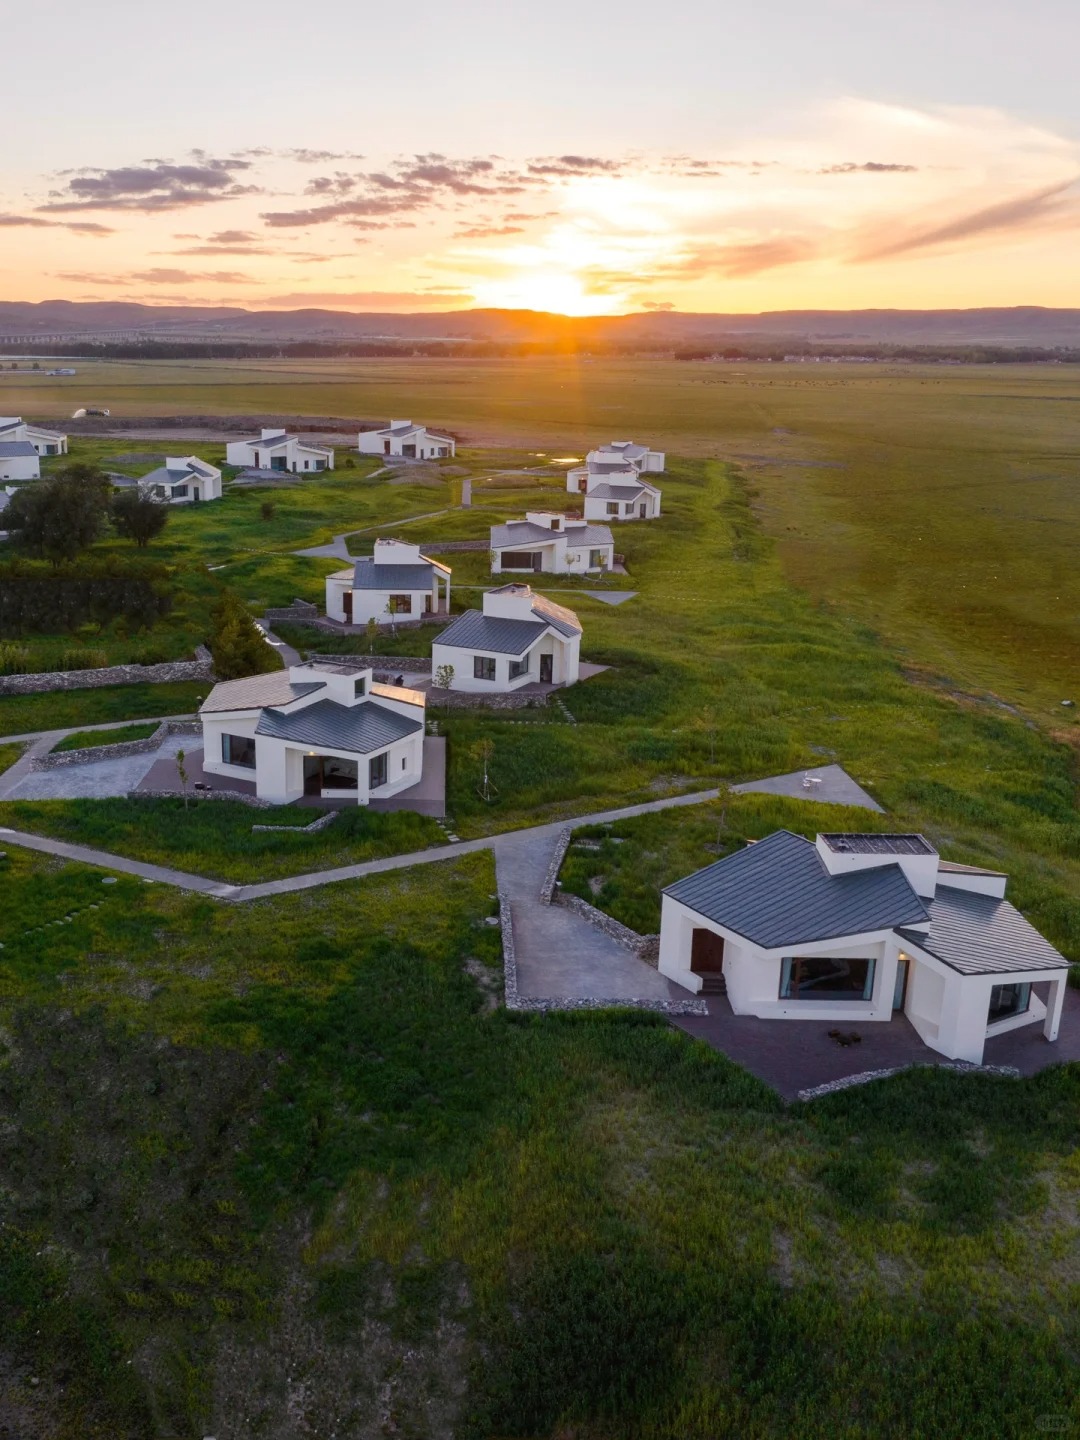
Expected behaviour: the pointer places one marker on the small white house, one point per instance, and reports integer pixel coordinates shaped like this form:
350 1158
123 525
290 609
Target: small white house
625 452
857 928
19 460
546 542
406 441
278 450
322 729
612 485
393 584
13 429
183 480
519 638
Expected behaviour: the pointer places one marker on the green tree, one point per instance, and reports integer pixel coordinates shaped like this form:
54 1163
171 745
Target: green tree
235 642
139 515
61 516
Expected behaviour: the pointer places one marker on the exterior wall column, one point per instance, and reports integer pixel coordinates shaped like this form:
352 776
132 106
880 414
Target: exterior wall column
1055 1001
965 1007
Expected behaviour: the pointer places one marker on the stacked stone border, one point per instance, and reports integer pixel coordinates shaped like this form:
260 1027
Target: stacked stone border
815 1092
244 799
545 1004
169 672
56 759
645 947
316 825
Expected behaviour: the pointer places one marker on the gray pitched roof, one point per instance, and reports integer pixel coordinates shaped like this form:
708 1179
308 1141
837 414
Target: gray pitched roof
359 729
983 935
11 448
255 691
526 532
778 893
369 576
476 631
617 492
557 616
611 467
164 476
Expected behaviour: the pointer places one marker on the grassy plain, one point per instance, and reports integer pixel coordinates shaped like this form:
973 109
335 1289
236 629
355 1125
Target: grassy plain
83 739
318 1179
64 709
937 504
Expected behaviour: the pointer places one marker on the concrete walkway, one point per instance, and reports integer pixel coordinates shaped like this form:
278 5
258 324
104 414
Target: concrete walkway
834 786
558 953
96 780
314 879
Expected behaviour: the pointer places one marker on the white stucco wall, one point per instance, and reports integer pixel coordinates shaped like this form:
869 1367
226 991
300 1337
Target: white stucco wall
564 671
20 467
594 509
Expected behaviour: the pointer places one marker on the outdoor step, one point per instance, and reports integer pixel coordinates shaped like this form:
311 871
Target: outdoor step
713 985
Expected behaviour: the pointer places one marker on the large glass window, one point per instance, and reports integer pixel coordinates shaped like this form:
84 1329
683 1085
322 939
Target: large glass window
483 667
1008 1000
401 604
612 507
518 668
521 560
821 977
238 750
377 771
597 558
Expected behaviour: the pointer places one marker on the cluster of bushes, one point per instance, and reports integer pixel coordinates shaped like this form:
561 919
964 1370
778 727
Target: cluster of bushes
236 642
37 598
61 516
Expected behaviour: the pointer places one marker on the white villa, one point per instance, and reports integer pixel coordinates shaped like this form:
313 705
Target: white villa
546 542
611 482
278 450
395 583
406 441
181 481
856 928
22 445
322 729
519 638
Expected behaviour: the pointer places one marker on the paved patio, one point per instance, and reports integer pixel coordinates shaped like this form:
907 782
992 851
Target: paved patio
101 778
834 787
795 1055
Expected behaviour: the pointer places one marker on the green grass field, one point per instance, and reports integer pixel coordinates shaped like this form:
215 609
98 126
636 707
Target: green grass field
84 739
64 709
311 1149
935 503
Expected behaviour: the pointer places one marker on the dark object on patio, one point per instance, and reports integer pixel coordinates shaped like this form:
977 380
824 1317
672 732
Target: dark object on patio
845 1038
399 679
201 788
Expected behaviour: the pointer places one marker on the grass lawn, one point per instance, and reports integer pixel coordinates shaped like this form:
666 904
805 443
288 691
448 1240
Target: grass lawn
8 755
64 709
312 1149
215 837
84 739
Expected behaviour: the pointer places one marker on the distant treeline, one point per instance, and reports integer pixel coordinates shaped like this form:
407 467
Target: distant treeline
479 349
36 597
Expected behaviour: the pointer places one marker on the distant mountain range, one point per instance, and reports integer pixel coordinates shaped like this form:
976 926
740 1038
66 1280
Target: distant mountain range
55 320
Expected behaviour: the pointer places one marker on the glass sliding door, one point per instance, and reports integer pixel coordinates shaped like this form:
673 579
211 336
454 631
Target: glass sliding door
821 977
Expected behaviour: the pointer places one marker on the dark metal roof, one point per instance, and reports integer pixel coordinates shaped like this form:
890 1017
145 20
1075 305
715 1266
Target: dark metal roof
861 844
476 631
527 532
778 893
255 691
617 492
416 576
557 616
983 935
359 729
11 448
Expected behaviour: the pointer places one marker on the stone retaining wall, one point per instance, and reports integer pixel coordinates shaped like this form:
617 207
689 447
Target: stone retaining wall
300 611
58 758
252 800
645 947
470 700
458 547
316 825
414 664
201 668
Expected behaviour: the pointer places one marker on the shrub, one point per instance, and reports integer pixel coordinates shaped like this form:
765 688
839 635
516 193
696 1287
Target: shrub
235 643
83 659
14 659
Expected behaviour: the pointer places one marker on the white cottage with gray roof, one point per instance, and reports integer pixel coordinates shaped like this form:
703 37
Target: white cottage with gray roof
395 583
857 928
402 440
22 445
323 729
182 480
518 639
612 484
547 542
275 449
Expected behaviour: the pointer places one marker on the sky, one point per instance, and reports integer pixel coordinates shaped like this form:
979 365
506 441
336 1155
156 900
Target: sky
583 156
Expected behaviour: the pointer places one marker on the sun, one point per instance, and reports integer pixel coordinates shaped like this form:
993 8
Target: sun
548 290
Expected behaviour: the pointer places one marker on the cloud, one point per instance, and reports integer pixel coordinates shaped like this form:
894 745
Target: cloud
153 186
561 165
347 210
658 305
159 276
78 227
340 183
220 250
1023 212
369 299
319 157
479 232
868 167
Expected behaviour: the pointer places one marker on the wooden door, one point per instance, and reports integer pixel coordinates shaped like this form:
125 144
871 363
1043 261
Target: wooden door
346 605
546 668
706 953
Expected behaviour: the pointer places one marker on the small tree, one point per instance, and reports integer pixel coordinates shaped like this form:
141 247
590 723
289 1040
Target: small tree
182 773
372 633
235 643
724 796
389 610
443 679
266 509
61 516
138 514
483 751
706 723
